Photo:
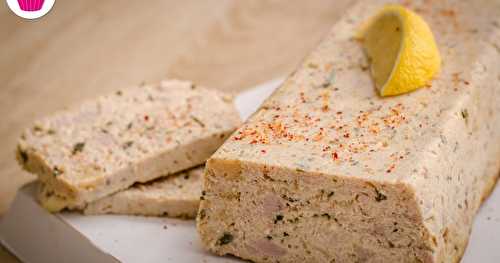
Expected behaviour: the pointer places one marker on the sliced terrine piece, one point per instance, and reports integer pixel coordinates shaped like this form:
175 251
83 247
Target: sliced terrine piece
328 171
133 135
176 195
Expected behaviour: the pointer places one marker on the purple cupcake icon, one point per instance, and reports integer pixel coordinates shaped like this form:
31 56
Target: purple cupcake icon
30 5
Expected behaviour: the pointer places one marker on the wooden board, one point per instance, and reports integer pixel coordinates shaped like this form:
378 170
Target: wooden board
83 48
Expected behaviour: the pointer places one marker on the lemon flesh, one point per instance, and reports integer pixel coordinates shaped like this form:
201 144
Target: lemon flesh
403 53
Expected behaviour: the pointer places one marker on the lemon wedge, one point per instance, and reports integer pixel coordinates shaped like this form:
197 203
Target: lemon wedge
403 53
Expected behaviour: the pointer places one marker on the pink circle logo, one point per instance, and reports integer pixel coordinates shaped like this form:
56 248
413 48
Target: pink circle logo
30 9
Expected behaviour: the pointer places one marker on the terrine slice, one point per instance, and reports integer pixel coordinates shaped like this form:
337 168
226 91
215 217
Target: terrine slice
176 195
328 171
134 135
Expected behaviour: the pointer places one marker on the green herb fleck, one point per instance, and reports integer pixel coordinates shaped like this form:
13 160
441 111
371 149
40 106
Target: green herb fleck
51 132
443 139
278 218
269 237
289 199
330 80
202 214
326 215
37 128
225 239
465 115
78 147
331 194
119 93
380 196
312 65
299 170
198 121
129 126
285 234
128 144
56 171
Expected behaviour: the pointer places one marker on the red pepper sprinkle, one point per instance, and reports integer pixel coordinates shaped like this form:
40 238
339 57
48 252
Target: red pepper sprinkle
335 156
146 117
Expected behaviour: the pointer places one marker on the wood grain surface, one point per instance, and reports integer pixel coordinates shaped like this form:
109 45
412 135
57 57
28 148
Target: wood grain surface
84 48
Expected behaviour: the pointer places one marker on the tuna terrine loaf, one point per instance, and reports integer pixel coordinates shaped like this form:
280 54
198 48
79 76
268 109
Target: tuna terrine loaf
328 171
176 195
133 135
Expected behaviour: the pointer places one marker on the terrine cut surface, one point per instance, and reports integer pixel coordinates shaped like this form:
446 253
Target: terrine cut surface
176 195
133 135
328 171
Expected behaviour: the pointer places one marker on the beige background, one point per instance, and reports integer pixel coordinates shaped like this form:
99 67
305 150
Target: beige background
88 47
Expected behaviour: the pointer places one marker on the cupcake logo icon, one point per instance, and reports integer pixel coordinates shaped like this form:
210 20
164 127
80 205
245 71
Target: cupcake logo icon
30 9
30 5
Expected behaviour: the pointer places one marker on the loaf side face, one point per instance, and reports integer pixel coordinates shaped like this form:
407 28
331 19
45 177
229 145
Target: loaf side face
176 195
133 135
439 143
273 214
